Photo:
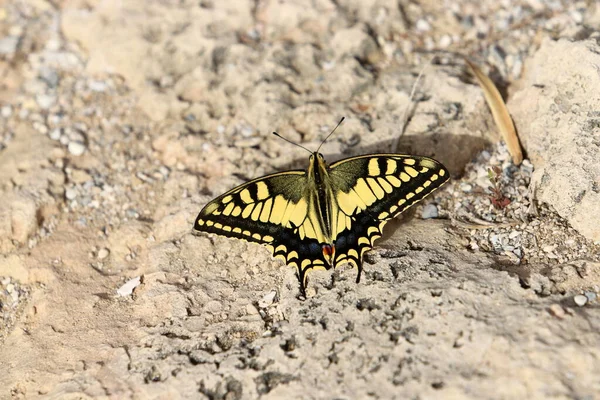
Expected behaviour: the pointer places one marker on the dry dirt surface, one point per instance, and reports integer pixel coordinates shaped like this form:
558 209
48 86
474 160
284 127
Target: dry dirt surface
121 119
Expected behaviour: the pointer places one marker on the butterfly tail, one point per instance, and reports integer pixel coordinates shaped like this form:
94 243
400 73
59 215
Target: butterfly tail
359 268
303 280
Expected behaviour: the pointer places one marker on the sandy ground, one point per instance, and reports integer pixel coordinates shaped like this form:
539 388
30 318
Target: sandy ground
120 120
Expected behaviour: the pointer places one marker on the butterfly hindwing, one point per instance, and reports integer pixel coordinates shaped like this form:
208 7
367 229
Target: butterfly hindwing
370 190
274 211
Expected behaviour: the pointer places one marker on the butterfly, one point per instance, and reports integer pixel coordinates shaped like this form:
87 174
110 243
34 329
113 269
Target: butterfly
326 215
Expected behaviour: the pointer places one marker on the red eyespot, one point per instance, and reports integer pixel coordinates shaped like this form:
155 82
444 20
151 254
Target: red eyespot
328 250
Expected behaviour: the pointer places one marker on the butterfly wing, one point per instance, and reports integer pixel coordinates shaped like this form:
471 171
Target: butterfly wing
275 211
372 189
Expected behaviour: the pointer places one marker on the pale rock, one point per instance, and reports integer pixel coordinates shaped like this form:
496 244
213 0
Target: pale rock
129 286
580 300
554 113
18 219
76 148
13 266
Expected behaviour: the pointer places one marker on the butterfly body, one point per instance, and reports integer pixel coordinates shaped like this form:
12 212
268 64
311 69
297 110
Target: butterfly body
327 215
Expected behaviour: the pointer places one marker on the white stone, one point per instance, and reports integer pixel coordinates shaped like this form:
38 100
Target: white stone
55 134
580 300
45 101
76 148
70 194
128 287
430 211
103 253
423 25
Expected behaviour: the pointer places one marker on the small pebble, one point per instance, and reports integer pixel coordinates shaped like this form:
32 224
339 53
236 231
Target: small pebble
8 45
465 187
40 127
128 287
246 131
580 300
45 101
103 253
55 134
513 234
557 311
97 86
445 41
591 296
70 194
430 211
422 25
267 299
76 148
6 111
50 76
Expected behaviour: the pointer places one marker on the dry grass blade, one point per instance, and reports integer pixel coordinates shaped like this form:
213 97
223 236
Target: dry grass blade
410 109
499 112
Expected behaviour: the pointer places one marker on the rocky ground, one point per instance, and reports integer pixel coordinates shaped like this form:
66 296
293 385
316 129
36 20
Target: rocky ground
121 119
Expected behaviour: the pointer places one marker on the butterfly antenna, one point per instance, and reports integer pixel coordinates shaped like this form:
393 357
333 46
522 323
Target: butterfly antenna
289 141
331 133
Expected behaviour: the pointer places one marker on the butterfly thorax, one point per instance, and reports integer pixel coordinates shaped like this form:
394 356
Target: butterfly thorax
322 201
